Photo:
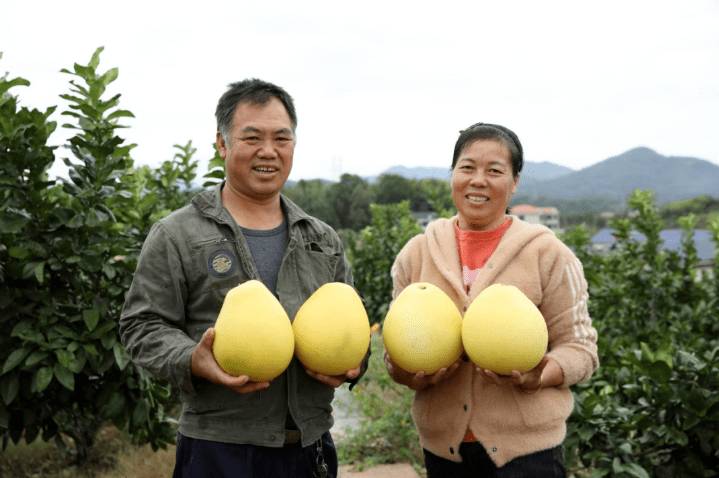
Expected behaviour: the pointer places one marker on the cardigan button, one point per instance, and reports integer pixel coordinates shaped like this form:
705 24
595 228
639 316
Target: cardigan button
494 449
451 450
465 407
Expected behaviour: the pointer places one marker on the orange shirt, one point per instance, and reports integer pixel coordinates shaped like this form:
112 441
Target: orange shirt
475 247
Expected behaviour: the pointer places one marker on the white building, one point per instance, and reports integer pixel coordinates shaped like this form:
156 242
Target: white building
547 216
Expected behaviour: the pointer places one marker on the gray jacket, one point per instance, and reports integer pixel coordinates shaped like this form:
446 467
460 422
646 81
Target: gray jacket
189 261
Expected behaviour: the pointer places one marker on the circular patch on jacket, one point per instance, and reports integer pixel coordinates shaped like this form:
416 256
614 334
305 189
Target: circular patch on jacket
221 263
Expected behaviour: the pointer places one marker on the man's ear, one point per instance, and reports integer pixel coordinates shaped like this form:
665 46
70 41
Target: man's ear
221 145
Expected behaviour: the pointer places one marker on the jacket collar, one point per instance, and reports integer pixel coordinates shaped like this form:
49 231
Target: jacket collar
209 203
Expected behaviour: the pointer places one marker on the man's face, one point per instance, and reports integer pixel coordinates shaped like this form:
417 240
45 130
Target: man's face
258 159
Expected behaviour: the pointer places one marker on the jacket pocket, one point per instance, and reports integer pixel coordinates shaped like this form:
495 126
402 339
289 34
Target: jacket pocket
321 267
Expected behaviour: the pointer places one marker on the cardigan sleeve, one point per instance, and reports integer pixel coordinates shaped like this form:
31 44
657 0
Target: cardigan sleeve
572 338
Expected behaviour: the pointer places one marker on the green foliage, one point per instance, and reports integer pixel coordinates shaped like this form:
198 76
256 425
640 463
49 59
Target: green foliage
386 433
373 252
652 408
312 197
216 169
65 251
703 207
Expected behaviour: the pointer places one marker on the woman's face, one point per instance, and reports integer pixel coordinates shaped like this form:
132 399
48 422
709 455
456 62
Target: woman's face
482 185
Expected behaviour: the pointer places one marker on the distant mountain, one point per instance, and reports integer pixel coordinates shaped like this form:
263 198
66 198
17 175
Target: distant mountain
671 178
530 172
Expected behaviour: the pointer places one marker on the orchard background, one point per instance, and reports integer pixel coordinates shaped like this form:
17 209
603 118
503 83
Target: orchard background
69 247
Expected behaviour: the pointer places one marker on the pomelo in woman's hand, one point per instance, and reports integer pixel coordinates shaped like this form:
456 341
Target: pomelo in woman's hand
504 331
423 329
253 334
331 330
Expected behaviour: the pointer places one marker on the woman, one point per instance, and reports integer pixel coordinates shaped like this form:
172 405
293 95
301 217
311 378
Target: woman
473 422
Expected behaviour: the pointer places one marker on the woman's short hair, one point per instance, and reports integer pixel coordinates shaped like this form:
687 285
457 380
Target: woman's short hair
492 132
251 91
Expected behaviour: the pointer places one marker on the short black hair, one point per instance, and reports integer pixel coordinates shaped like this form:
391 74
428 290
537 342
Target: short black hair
492 132
251 91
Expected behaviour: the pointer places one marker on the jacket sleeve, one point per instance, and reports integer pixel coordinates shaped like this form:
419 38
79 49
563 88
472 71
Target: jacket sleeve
572 338
153 316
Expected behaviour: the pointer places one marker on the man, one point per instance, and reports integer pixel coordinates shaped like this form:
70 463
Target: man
240 230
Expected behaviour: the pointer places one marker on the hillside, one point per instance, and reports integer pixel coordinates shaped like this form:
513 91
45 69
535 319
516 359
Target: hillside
530 172
672 178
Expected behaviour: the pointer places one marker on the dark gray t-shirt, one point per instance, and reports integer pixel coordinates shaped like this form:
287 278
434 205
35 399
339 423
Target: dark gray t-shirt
267 248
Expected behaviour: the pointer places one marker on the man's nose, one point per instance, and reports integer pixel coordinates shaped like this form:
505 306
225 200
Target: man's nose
267 149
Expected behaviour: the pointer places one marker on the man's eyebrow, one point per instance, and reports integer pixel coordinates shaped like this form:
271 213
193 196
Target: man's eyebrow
252 129
284 131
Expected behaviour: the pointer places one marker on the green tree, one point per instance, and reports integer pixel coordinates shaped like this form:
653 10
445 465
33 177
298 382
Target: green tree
652 408
350 199
373 252
312 197
64 254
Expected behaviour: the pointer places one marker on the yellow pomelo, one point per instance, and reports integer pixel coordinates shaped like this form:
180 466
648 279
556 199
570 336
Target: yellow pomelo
504 331
331 330
253 334
423 329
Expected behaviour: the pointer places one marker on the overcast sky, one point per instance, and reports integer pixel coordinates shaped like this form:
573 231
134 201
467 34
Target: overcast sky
383 83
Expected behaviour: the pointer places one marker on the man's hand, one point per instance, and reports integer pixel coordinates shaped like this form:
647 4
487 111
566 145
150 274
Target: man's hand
335 380
204 365
419 380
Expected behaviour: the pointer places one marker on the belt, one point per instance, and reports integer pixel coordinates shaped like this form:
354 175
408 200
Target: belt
292 436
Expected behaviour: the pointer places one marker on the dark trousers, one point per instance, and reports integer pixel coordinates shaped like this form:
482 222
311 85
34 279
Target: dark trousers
477 463
209 459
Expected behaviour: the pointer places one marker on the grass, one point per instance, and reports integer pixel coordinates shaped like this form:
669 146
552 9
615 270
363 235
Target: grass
112 456
387 433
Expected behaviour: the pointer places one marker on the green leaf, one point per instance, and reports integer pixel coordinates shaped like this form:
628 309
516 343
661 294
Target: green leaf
95 60
121 357
635 470
109 76
4 418
9 386
115 405
141 414
659 371
11 226
65 376
6 85
15 358
35 358
91 317
42 379
64 357
120 114
18 252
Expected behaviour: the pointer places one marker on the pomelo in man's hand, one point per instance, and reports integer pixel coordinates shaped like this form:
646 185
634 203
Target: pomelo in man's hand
253 334
503 331
331 330
423 329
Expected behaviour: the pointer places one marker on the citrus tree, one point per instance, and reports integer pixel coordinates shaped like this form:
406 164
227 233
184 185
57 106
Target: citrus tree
66 264
652 407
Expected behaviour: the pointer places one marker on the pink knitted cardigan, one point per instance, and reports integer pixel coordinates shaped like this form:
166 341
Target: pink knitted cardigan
506 421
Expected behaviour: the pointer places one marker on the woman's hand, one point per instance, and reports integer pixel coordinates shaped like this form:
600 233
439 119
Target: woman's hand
546 374
419 380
